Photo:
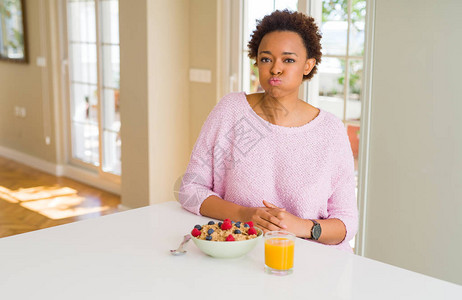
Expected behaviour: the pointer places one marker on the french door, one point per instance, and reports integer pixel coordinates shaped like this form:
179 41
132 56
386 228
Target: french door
93 83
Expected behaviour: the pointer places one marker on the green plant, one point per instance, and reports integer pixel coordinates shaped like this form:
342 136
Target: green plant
339 9
354 82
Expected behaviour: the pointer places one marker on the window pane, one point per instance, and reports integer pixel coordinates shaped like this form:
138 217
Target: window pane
110 21
111 66
83 62
355 88
81 21
85 142
256 10
111 82
112 146
84 103
289 4
331 75
358 20
254 79
334 27
111 113
353 136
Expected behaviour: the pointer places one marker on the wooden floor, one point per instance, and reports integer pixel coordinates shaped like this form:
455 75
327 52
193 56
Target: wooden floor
32 200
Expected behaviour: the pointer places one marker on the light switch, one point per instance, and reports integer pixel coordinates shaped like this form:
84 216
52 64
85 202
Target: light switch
200 75
41 61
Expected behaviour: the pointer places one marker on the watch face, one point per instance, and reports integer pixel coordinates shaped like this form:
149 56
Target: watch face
316 232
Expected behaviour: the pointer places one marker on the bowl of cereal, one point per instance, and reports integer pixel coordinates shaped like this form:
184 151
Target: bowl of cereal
226 239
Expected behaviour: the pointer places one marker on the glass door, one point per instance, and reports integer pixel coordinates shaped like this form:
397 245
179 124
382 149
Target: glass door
94 80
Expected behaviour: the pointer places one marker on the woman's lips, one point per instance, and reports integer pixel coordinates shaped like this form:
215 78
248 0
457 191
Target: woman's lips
275 81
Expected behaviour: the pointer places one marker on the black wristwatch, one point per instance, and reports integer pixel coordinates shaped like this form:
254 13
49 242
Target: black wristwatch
315 230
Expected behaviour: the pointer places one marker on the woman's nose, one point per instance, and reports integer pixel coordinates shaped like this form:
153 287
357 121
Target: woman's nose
276 68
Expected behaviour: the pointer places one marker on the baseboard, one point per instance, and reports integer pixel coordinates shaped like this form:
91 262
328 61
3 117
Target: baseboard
72 172
31 161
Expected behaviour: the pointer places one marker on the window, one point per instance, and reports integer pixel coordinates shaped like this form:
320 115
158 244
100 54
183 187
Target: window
341 70
336 87
94 72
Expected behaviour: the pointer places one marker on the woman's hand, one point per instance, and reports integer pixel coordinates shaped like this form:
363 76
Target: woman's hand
265 218
292 223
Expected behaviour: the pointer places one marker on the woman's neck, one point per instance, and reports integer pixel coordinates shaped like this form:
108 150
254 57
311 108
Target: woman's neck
278 110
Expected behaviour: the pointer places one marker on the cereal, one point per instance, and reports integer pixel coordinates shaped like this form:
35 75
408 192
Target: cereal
224 231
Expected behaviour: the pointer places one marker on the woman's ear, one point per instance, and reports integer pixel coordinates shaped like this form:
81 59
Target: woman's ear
309 65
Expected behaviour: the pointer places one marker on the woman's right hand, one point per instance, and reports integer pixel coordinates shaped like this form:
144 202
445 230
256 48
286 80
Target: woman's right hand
263 217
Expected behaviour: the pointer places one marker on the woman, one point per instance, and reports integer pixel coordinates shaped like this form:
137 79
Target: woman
270 157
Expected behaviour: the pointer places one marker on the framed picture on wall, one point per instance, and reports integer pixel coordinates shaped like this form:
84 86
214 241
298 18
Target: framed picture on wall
13 38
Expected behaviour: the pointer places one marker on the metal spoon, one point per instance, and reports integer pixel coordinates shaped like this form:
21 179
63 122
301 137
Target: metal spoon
180 250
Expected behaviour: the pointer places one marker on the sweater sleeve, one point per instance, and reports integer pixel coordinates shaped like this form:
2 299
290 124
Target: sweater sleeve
197 183
342 204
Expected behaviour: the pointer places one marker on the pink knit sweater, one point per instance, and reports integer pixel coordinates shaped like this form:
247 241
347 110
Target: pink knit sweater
242 158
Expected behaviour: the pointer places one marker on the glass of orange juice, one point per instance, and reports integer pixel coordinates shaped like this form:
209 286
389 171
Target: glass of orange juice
279 252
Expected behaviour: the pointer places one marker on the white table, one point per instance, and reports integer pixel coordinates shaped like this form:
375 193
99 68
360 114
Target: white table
126 256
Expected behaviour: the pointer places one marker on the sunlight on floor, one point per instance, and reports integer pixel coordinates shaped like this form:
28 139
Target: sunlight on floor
53 202
5 194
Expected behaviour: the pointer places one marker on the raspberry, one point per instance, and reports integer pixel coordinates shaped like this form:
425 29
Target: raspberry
226 220
250 223
195 232
252 230
226 225
230 238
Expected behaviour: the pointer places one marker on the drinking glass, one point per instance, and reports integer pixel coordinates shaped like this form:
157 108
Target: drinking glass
279 252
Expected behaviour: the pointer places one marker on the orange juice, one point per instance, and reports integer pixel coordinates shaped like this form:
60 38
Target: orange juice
279 253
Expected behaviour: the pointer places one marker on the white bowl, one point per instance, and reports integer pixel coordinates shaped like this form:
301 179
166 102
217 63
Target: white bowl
227 249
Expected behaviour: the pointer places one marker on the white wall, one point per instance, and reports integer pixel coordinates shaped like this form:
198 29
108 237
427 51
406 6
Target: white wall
31 87
168 100
203 31
414 208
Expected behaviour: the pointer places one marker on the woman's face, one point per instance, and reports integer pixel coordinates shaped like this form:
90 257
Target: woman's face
282 62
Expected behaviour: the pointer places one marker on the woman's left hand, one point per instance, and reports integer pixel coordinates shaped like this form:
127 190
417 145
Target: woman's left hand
294 224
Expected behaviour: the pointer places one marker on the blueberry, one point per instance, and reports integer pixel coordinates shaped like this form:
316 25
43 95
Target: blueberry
237 231
246 225
210 231
211 223
238 224
219 224
232 222
198 227
208 238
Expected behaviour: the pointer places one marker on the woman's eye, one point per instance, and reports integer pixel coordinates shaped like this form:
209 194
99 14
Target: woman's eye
290 60
265 59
